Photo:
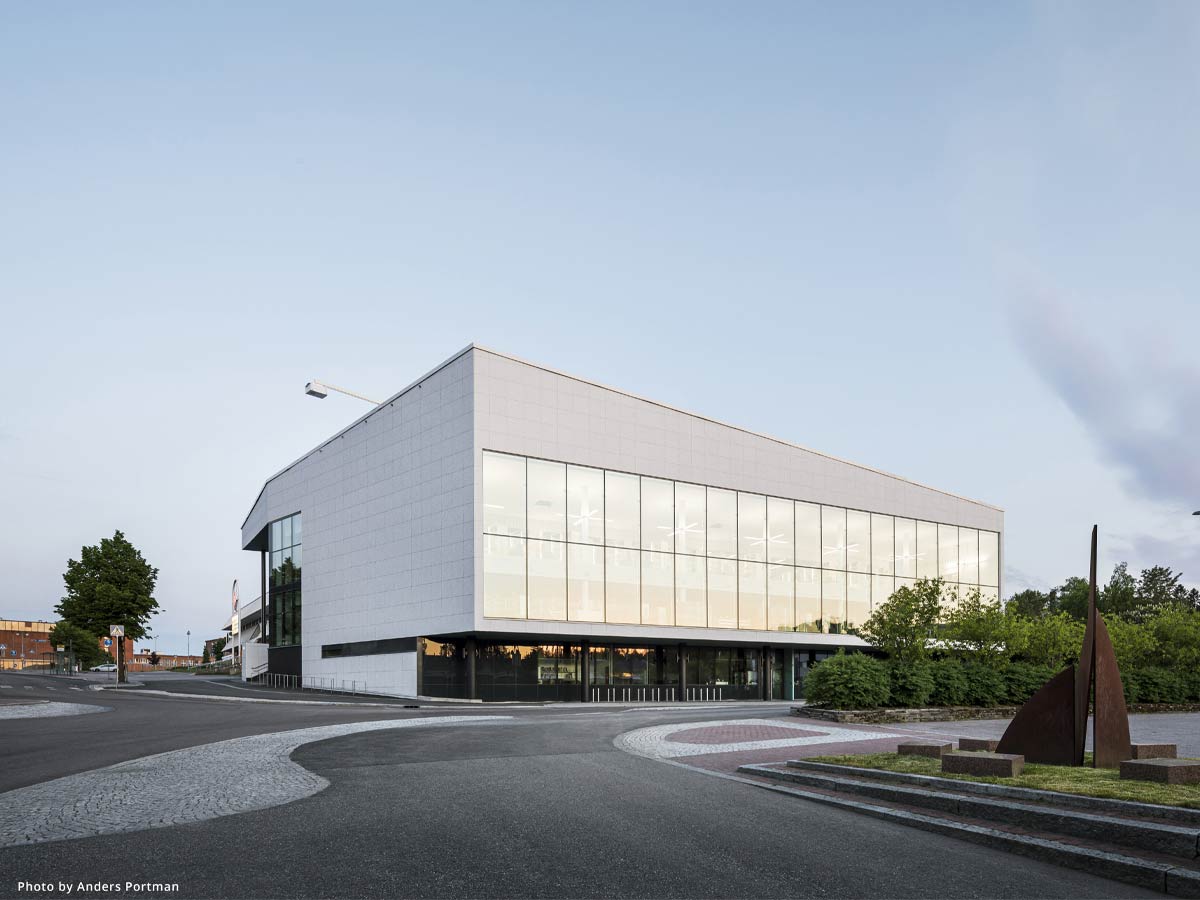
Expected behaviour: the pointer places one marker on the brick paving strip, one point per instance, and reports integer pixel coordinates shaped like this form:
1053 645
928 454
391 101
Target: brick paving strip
182 786
45 709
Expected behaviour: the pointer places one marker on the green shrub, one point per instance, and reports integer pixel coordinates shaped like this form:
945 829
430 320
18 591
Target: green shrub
848 681
985 685
911 683
1152 684
1023 680
949 683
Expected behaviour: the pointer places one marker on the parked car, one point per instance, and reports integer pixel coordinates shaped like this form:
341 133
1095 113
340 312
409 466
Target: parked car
106 667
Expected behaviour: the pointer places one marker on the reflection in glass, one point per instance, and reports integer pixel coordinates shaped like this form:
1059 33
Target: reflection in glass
585 583
858 541
547 580
989 558
808 600
503 577
882 545
285 539
622 510
858 599
927 547
277 535
690 524
781 531
690 605
503 494
658 588
547 504
808 535
968 555
882 588
585 505
781 602
752 595
833 537
622 578
989 594
906 548
752 527
658 514
722 593
833 601
948 552
722 523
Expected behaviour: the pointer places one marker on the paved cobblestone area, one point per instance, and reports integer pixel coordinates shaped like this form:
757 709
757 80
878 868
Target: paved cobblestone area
46 710
742 736
190 785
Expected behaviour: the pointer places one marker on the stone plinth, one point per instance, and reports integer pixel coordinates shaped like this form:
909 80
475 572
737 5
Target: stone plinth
924 748
1164 771
1153 751
1002 765
987 744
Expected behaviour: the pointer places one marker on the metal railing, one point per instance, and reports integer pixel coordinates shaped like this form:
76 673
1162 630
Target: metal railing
310 683
614 693
702 693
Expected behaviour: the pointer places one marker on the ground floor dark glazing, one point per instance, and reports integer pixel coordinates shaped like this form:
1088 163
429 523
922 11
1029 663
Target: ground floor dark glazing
470 668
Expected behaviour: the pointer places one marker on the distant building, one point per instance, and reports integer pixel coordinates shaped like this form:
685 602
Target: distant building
25 643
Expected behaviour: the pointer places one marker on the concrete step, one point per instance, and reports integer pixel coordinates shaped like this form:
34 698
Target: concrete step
1169 840
1146 868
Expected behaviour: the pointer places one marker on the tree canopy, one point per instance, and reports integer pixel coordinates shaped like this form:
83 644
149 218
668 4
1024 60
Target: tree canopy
110 584
84 644
903 624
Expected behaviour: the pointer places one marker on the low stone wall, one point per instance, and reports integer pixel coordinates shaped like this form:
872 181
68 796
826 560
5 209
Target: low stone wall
931 714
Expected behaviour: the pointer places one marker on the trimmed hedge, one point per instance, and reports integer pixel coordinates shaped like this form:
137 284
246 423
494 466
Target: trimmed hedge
949 683
1023 680
848 681
911 683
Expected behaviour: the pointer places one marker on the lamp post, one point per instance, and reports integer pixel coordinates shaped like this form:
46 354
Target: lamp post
189 643
320 390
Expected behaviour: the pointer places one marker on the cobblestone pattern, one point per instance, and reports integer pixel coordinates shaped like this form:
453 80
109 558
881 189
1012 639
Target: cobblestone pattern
729 734
182 786
898 716
660 741
47 710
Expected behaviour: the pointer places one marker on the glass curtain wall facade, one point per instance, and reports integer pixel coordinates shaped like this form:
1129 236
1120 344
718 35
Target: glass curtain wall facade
284 587
579 544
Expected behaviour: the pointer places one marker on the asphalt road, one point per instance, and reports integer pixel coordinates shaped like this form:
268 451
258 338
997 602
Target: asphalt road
542 807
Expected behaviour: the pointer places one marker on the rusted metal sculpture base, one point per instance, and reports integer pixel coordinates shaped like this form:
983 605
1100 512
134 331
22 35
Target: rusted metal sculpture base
1052 725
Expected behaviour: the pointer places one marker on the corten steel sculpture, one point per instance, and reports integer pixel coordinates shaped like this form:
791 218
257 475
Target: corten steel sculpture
1052 725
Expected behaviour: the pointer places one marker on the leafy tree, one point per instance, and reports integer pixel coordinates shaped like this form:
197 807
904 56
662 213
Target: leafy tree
218 647
1135 645
980 630
1071 597
110 584
902 625
154 657
1158 588
1029 603
204 656
1120 596
1052 640
1176 632
84 644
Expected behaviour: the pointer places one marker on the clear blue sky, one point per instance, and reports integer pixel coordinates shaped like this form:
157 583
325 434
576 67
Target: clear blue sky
954 241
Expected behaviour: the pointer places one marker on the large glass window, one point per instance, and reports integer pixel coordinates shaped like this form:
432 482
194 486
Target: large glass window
547 505
658 588
882 588
808 600
781 602
858 599
547 580
690 518
968 556
622 582
622 510
503 494
690 590
503 576
752 595
882 545
285 556
833 601
989 558
781 531
722 593
927 547
858 541
722 523
658 515
833 537
948 552
585 505
752 527
906 548
585 583
808 535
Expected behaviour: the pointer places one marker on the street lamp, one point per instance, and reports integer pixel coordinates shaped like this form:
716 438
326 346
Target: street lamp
189 642
320 390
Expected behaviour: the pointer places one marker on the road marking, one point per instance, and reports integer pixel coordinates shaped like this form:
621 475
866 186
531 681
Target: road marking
76 689
182 786
44 709
51 688
6 687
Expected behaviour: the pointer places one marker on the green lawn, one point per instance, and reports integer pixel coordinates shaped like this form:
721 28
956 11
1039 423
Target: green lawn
1067 779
